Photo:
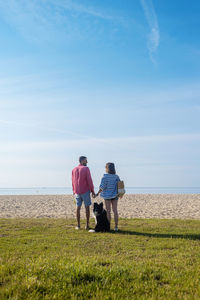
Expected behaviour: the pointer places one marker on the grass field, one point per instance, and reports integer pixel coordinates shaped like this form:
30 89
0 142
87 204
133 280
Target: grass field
147 259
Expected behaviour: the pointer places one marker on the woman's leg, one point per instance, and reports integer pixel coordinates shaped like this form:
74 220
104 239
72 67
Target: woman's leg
114 208
108 209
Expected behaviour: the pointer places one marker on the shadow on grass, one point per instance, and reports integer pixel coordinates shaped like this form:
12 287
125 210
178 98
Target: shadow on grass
159 235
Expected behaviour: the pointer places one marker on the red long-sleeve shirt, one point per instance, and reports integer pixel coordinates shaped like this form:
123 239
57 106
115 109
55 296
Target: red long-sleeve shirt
82 180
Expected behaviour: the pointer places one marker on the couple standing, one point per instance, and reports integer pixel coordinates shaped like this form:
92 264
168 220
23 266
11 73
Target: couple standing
82 185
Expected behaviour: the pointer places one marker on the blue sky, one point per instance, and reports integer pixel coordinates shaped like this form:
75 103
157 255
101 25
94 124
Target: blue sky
113 80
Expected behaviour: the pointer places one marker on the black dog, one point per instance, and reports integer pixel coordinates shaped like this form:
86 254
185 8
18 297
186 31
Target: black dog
102 223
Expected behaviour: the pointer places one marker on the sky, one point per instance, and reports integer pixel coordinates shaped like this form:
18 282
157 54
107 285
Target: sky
117 81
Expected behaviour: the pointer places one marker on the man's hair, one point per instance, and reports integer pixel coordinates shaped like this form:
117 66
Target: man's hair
110 168
81 158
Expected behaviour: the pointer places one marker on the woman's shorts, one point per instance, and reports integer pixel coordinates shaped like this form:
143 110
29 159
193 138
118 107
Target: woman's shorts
80 198
116 198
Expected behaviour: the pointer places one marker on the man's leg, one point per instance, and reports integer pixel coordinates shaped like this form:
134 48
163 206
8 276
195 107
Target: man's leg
78 210
87 212
87 201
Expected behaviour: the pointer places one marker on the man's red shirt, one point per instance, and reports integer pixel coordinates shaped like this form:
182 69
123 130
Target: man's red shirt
82 180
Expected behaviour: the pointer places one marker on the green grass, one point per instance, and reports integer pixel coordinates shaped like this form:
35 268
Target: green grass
147 259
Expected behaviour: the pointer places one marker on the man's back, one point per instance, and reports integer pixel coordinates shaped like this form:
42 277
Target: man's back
81 180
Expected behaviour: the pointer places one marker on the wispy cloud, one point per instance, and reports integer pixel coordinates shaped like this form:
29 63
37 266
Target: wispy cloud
33 82
154 36
71 133
92 142
156 160
80 8
34 19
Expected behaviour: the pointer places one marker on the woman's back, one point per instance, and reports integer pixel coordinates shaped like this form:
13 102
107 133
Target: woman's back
109 186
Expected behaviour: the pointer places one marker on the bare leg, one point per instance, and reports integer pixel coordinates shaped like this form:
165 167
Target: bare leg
108 209
114 208
78 209
87 212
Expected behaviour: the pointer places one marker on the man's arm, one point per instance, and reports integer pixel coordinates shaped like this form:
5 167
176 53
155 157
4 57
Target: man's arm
90 182
73 188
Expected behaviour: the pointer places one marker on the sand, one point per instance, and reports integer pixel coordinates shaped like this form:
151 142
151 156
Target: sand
164 206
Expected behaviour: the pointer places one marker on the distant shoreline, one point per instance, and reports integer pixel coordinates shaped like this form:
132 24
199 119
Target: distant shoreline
68 190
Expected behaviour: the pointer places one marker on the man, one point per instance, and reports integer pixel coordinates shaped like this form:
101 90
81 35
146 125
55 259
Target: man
82 187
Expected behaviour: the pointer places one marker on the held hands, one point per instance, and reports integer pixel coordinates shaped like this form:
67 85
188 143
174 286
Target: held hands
95 195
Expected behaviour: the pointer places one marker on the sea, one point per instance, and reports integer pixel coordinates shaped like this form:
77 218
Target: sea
68 190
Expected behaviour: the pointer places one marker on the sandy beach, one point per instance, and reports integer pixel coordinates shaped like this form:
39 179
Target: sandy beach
164 206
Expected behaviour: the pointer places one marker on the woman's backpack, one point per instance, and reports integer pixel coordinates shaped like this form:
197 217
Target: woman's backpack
121 189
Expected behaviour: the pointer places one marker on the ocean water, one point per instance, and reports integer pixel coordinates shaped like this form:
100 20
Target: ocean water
68 190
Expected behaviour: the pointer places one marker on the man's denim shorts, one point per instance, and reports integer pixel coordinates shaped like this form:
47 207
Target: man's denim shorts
80 198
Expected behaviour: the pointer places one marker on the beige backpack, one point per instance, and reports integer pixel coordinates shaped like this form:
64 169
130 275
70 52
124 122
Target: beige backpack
121 189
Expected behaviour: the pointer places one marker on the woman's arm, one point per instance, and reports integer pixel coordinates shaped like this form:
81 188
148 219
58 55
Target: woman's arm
102 186
100 190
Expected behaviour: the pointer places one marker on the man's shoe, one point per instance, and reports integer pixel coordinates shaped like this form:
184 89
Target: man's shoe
116 229
77 228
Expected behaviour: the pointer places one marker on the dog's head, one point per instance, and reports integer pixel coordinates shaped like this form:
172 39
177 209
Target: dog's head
98 208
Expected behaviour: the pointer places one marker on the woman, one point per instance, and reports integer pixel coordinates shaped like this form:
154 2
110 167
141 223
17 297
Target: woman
108 190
